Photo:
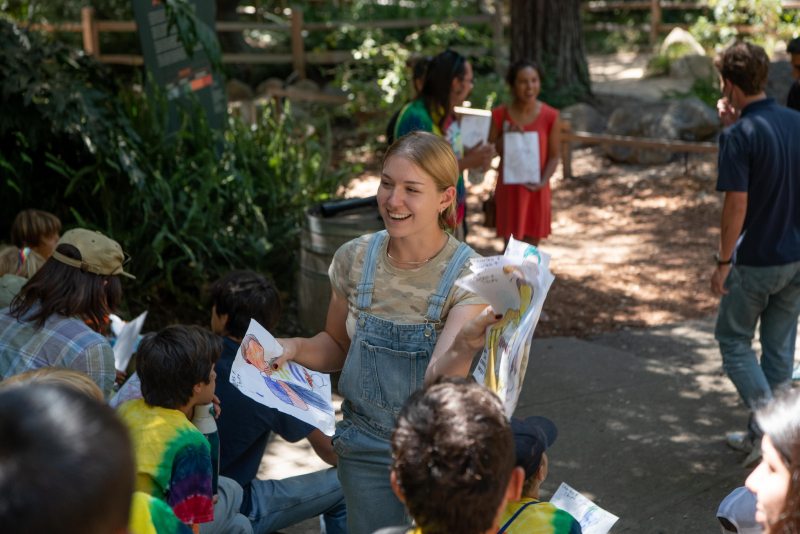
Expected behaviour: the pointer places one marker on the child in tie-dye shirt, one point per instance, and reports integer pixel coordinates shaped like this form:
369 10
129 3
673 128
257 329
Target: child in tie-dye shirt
173 459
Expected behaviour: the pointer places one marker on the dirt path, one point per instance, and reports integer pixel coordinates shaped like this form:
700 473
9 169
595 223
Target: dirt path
632 246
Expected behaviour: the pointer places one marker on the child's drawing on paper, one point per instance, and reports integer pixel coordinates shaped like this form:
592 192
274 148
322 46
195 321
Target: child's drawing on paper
502 334
291 389
282 382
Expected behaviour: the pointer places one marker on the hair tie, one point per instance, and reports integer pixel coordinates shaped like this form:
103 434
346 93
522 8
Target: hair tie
23 256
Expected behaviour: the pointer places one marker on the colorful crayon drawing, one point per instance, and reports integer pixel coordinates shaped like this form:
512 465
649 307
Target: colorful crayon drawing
283 382
502 334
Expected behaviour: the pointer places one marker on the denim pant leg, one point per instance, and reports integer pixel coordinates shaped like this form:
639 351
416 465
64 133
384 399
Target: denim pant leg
277 504
371 503
227 519
736 327
779 331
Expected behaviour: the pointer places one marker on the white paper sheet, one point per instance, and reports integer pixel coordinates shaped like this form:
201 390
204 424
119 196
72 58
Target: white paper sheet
475 125
515 285
593 519
292 389
126 342
521 158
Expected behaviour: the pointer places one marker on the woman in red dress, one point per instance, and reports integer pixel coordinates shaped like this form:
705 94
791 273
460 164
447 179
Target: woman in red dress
524 210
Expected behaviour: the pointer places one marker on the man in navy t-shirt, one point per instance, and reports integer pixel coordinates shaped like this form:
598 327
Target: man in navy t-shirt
245 425
758 263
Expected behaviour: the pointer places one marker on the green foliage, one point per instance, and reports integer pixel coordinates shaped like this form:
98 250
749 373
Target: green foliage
191 31
188 206
379 79
660 63
180 15
706 89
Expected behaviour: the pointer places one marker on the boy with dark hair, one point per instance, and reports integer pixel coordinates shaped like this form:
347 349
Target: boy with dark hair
173 459
532 437
793 100
453 456
758 262
245 428
66 463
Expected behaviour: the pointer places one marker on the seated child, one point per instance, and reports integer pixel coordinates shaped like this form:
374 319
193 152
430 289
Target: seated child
453 456
532 437
66 464
16 268
36 229
148 515
173 459
245 428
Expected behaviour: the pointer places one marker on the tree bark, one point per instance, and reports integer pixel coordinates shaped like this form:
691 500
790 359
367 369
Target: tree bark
550 32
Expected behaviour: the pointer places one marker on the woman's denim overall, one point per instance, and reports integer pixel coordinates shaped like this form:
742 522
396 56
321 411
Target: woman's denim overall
386 363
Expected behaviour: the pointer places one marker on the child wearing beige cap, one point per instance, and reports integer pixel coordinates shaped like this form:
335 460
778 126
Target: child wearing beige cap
57 317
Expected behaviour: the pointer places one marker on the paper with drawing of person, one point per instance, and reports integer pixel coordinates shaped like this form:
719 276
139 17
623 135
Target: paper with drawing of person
516 286
593 519
291 389
521 158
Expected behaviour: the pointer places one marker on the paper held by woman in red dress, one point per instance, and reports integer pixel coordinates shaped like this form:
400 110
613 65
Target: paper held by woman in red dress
521 212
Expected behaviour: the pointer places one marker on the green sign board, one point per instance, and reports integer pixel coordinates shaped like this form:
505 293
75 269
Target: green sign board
177 74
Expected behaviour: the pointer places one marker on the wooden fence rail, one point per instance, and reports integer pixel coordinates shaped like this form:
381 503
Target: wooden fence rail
568 137
656 7
299 57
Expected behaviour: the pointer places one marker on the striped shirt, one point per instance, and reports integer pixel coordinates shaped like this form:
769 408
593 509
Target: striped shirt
62 342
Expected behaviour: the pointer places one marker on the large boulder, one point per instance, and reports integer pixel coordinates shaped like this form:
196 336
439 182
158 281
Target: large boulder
692 66
780 80
584 118
689 119
238 90
270 83
680 36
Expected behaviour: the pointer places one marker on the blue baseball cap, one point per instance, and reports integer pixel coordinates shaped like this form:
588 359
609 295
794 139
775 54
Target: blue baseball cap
532 437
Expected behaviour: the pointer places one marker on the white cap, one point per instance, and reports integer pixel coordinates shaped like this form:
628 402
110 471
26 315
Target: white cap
740 509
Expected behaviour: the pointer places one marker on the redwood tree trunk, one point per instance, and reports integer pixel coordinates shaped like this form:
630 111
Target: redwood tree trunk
550 32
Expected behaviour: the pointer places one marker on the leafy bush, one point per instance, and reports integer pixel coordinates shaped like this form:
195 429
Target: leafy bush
188 206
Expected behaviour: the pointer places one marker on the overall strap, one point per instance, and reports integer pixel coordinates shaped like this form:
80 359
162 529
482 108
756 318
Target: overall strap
364 289
437 300
508 523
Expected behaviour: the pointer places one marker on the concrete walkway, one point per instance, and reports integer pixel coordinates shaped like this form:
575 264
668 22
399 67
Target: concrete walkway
642 417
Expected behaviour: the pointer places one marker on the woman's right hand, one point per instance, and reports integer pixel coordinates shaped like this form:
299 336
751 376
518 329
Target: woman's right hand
289 346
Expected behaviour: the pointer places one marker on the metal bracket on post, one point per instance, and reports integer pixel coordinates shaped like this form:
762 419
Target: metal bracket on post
298 47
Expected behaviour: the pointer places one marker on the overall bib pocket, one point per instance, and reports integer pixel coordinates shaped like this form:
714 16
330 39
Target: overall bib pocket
389 377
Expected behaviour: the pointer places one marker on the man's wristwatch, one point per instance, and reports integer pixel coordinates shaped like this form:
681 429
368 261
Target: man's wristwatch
720 262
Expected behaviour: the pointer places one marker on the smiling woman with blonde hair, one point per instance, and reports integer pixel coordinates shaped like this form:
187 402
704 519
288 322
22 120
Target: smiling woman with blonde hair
396 320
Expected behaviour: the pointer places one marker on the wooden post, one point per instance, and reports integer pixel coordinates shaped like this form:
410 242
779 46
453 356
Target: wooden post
497 24
566 146
91 37
298 48
655 20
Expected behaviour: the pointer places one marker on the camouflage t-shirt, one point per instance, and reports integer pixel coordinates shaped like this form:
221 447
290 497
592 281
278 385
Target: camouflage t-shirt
399 295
